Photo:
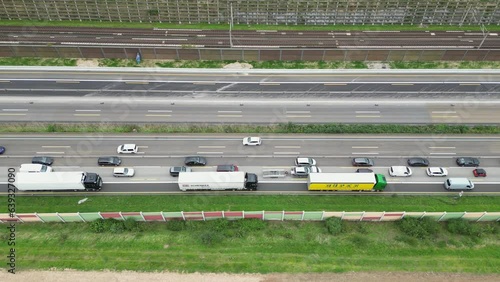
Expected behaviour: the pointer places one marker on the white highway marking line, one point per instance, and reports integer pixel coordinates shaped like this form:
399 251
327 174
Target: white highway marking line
67 81
143 147
229 115
4 81
229 111
361 147
298 112
442 147
1 114
444 112
207 147
368 116
201 153
334 84
48 153
402 84
56 146
158 115
443 153
15 110
287 147
444 116
87 115
365 153
269 83
87 110
159 111
298 116
286 153
136 82
367 112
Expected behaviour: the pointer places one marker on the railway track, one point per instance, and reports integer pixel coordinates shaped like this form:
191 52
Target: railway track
43 36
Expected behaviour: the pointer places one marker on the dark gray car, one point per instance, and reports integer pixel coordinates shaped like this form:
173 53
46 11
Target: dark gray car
467 161
175 170
195 161
109 161
418 162
362 162
42 160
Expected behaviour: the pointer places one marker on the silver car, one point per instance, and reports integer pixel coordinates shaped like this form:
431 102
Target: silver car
123 172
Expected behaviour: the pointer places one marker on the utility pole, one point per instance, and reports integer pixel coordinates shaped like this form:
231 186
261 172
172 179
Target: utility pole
231 27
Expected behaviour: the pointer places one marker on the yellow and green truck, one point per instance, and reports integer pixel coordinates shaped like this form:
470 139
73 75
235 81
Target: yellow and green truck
346 182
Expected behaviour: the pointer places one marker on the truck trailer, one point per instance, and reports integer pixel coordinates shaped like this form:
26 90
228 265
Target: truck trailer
58 181
236 180
346 182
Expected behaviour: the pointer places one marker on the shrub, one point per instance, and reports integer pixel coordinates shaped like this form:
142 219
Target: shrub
176 225
464 227
418 228
97 226
249 225
210 238
217 225
130 224
333 225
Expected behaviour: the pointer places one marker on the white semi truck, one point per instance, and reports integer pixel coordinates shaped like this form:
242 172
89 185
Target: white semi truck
236 180
58 181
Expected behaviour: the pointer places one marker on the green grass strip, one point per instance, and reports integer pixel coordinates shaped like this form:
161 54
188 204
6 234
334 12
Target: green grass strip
329 202
331 128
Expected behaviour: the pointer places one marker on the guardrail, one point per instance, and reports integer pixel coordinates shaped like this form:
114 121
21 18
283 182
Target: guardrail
234 215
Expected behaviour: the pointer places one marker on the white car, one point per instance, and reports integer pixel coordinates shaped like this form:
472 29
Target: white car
123 172
127 149
437 171
305 162
252 141
401 171
304 171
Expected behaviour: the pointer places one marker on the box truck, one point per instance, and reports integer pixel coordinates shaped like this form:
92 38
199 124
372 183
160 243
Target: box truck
346 182
236 180
58 181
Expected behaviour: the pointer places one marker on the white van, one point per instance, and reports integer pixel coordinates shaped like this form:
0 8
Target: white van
35 168
458 184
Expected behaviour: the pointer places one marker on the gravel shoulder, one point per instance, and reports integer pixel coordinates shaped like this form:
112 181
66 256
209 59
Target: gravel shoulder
106 276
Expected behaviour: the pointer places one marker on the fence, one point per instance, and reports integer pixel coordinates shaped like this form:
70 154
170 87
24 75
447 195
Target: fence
268 12
232 215
251 54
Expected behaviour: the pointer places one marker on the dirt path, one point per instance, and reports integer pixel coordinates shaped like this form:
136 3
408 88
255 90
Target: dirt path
127 276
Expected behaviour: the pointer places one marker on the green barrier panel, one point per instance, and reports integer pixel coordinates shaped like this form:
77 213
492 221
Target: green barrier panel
71 217
452 215
293 215
493 216
313 215
273 215
90 216
434 215
354 216
49 217
172 215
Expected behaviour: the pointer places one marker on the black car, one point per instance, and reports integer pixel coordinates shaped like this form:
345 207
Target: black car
362 162
364 170
114 161
227 168
467 161
42 160
174 171
195 161
418 162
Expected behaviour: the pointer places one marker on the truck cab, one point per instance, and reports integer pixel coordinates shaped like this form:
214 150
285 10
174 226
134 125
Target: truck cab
92 181
251 181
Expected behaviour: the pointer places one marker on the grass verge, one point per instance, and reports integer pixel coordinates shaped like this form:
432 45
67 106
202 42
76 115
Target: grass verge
254 247
96 24
331 128
329 202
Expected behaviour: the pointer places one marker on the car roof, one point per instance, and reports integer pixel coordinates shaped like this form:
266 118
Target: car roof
435 168
129 146
119 170
399 168
303 160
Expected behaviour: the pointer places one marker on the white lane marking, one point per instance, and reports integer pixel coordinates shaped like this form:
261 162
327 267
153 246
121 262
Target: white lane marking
229 111
298 116
87 110
361 147
15 110
87 115
206 147
442 147
287 147
206 153
365 153
48 146
158 115
12 114
368 116
445 116
286 153
444 112
229 116
443 153
48 153
143 147
159 111
298 112
367 112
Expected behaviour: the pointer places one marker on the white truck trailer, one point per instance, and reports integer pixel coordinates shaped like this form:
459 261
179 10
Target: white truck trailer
58 181
236 180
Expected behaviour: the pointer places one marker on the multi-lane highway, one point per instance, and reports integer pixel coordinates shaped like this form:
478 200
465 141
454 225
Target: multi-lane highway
249 96
158 153
198 38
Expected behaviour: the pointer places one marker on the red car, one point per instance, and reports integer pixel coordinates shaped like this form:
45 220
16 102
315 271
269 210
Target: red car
479 172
